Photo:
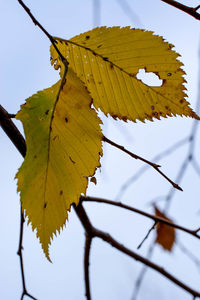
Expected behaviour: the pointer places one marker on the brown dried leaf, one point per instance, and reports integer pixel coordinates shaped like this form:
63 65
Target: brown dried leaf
166 235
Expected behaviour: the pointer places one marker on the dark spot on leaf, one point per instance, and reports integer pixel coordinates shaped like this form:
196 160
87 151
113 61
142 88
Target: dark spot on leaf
167 107
45 205
61 192
148 116
66 120
181 101
87 37
51 57
131 74
105 58
46 112
169 74
66 43
99 46
152 107
111 66
99 82
72 160
35 156
155 114
55 137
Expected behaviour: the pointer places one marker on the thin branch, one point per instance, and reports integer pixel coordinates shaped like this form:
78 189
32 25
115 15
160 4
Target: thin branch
141 212
11 116
142 273
17 139
96 12
50 37
129 12
153 165
196 166
88 241
187 252
189 10
142 170
178 179
107 238
168 198
189 159
81 213
147 235
19 252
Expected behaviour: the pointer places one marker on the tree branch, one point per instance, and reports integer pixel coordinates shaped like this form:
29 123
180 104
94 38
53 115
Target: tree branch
12 132
142 170
93 232
141 212
17 139
153 165
80 211
88 241
189 10
19 252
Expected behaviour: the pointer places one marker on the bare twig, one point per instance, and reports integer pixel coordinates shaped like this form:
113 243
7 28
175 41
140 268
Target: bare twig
142 273
153 165
50 37
19 252
189 159
96 12
17 139
187 252
80 211
168 197
129 12
107 238
189 10
141 212
88 241
147 235
142 170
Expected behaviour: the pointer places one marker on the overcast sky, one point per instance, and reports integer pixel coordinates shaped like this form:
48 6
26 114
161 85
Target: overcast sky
25 69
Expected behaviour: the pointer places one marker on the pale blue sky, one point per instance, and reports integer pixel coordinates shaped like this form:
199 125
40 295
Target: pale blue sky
25 69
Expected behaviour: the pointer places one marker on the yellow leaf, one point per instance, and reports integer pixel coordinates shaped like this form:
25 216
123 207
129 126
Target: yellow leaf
63 138
166 235
108 60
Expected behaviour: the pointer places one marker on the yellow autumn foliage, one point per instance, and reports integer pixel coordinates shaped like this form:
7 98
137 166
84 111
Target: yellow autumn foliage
63 138
63 134
108 60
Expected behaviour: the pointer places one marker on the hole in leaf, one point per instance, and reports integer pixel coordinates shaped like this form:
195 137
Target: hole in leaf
149 78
